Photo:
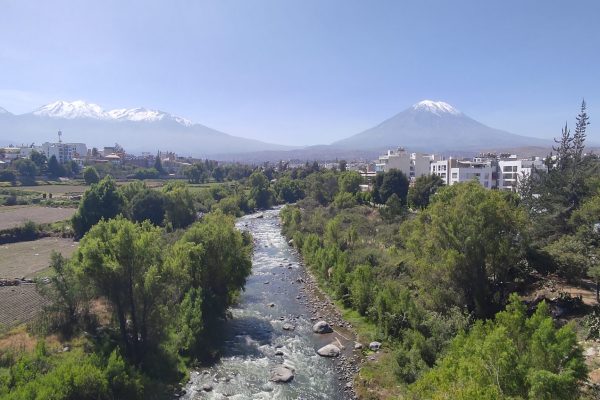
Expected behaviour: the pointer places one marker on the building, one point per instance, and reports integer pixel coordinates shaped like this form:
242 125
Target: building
512 170
64 152
412 165
454 171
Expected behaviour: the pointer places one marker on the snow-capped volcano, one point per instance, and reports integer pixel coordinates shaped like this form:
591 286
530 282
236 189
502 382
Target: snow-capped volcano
3 111
435 107
434 126
81 109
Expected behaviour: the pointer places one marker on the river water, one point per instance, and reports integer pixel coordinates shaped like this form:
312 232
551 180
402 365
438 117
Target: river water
254 334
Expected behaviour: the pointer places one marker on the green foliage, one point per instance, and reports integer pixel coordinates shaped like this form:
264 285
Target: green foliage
148 205
344 200
102 200
8 175
510 357
349 182
27 170
288 190
393 208
55 169
465 247
90 175
146 173
123 262
394 182
362 288
39 159
260 192
420 193
179 206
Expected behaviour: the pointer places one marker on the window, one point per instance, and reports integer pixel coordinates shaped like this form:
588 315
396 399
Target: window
454 175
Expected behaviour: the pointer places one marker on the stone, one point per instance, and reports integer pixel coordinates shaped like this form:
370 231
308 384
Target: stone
282 374
358 346
279 353
374 346
207 387
288 327
322 327
271 304
330 350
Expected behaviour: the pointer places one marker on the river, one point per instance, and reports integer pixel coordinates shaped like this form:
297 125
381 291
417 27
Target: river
274 295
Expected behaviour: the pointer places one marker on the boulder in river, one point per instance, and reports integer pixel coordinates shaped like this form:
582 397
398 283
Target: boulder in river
282 374
207 387
288 327
331 350
374 346
322 327
358 346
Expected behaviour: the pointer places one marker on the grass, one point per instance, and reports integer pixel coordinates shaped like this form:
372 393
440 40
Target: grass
14 216
30 259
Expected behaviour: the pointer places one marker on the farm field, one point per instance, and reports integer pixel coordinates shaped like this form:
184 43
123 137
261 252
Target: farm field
26 259
56 190
19 304
13 216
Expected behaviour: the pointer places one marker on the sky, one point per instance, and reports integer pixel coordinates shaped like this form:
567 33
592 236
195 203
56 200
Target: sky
304 72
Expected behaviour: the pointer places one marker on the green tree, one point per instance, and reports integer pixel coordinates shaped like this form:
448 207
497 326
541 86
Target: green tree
349 182
148 205
27 170
288 190
259 190
179 206
425 186
55 169
394 182
158 165
90 175
362 288
39 159
466 247
511 357
102 200
123 262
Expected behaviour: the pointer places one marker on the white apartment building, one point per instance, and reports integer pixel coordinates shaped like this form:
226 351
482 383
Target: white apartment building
412 165
454 171
511 170
64 152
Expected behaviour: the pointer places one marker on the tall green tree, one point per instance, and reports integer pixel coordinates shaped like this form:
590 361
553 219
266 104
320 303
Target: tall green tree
394 182
180 210
424 188
260 191
102 200
90 175
55 169
123 262
27 170
466 247
511 357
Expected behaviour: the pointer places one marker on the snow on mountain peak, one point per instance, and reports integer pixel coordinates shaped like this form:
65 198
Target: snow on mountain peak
435 107
3 111
81 109
71 110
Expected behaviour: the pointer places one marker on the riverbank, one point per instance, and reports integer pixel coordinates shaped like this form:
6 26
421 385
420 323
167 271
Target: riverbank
347 365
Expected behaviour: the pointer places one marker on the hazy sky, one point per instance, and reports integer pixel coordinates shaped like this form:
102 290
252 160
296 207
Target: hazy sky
307 71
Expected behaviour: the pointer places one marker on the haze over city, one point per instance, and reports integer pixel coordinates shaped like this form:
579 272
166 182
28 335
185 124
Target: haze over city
306 72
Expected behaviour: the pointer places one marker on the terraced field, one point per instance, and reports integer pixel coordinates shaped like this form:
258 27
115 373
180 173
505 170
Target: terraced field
26 259
19 304
13 216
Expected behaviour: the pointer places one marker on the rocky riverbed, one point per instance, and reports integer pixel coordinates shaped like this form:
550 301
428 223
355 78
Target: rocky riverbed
270 349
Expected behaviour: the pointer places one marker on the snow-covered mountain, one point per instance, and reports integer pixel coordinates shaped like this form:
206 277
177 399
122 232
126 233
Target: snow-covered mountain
136 129
435 126
81 109
3 111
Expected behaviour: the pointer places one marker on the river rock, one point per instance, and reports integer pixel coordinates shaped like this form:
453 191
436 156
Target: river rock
322 327
207 387
282 374
374 346
358 346
331 350
288 327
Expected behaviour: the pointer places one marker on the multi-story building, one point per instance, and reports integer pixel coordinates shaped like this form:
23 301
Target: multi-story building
412 165
454 171
512 170
64 152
